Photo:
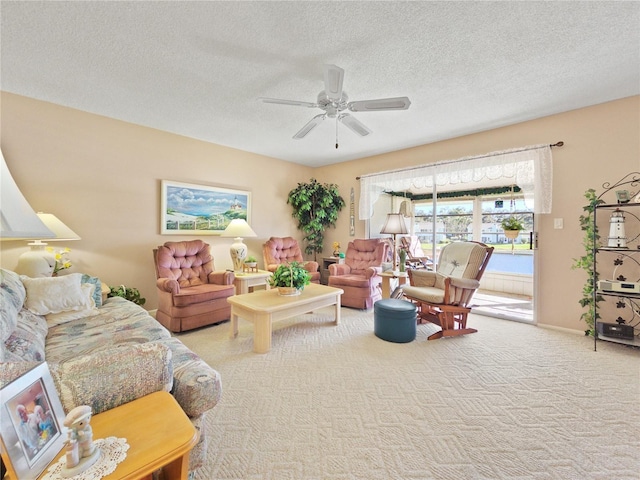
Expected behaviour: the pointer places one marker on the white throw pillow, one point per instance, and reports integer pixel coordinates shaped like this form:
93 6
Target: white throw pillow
54 319
56 294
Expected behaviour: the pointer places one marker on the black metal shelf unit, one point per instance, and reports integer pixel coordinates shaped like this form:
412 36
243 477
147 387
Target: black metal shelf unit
621 264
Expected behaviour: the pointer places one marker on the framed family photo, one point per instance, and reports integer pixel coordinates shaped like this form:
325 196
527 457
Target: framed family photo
190 209
31 425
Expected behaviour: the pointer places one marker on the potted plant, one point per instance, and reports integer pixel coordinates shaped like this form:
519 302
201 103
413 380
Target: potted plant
251 263
128 293
511 227
290 278
316 206
586 262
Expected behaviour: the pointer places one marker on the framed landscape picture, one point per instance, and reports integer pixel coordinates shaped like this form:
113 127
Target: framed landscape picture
189 209
31 425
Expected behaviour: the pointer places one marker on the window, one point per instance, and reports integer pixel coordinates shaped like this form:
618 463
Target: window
472 218
496 209
454 220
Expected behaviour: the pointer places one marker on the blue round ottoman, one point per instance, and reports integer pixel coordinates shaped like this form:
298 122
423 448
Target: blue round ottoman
394 320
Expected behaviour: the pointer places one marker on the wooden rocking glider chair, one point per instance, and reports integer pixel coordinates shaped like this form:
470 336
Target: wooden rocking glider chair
443 297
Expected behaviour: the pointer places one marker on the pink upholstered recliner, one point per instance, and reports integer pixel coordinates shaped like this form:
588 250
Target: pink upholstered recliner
279 250
190 293
359 275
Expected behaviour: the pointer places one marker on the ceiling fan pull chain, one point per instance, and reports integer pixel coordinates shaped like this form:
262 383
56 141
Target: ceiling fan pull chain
336 133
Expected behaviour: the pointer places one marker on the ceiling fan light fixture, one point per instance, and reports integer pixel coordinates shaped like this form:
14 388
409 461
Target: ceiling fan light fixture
313 123
333 101
294 103
333 78
354 124
396 103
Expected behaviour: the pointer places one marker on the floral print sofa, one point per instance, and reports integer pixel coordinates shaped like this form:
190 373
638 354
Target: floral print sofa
101 355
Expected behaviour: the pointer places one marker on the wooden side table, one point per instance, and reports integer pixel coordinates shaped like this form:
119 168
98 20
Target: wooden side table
324 268
158 432
386 281
245 282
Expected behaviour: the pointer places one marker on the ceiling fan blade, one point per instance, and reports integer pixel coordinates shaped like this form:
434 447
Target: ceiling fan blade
354 124
295 103
381 104
313 123
333 77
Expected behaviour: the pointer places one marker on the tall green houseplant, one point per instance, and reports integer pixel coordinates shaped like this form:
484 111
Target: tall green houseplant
315 206
586 262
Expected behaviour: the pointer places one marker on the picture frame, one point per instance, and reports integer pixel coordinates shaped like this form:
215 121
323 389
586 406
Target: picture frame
191 209
31 423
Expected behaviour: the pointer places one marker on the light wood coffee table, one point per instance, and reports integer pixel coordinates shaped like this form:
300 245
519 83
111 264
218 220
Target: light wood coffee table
264 307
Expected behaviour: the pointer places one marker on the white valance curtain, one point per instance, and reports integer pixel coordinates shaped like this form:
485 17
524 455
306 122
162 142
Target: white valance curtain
530 168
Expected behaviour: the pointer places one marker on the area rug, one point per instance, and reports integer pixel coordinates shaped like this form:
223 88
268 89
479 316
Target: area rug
513 401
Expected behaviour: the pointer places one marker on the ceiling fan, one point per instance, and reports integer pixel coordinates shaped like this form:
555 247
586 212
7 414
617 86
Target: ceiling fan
335 103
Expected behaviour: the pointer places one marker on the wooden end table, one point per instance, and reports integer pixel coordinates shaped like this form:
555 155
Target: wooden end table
245 282
158 432
263 307
386 281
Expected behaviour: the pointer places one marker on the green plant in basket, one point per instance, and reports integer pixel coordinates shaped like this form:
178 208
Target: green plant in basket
290 275
512 223
250 259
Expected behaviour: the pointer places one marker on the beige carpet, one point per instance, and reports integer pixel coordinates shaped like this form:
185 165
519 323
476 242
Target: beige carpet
512 401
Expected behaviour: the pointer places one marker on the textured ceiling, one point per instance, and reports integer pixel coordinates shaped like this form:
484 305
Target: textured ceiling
197 68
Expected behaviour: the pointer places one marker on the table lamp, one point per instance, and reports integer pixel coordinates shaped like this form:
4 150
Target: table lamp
38 262
395 225
238 228
18 221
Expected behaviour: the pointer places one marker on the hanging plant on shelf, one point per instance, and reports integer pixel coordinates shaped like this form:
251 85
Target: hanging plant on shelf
586 262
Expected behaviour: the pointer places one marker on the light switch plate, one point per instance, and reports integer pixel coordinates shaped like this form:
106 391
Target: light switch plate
558 223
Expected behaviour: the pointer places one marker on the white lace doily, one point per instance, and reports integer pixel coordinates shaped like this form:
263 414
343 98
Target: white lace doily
112 451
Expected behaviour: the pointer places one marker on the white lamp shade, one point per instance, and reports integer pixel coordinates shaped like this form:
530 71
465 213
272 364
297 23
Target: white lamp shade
18 221
395 224
61 231
238 228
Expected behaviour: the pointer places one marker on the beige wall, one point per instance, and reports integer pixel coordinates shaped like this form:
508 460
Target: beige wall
101 177
601 144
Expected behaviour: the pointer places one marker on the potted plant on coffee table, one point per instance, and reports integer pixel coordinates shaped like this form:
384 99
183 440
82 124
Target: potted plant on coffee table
290 278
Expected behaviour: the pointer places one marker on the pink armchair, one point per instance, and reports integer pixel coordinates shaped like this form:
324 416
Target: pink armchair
190 293
279 250
359 275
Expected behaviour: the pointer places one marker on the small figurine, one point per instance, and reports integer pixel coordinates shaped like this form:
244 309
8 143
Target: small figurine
81 452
